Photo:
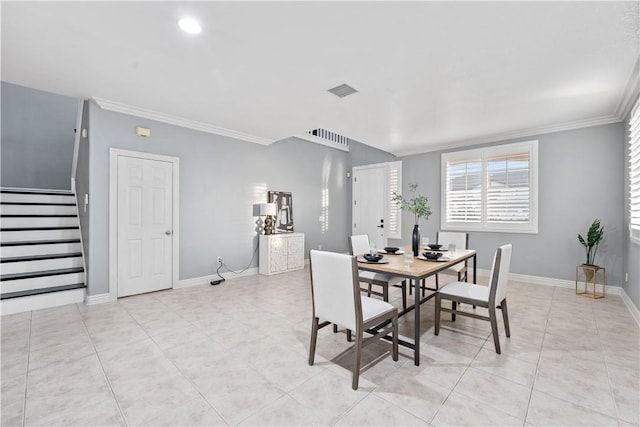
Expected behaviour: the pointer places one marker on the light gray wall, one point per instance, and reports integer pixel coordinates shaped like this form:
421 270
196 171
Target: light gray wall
221 179
82 188
580 179
37 138
631 259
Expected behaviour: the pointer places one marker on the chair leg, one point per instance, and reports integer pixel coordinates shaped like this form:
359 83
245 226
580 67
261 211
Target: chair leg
404 294
349 335
357 356
314 337
369 290
494 327
335 328
394 322
436 324
460 277
454 305
505 317
385 292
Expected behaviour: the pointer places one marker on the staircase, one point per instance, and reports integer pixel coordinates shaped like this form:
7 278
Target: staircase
41 262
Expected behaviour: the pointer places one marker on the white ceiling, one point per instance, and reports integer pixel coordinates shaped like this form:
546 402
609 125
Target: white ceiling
429 74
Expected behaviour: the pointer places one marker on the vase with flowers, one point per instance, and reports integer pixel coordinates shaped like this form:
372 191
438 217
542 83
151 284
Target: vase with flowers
419 207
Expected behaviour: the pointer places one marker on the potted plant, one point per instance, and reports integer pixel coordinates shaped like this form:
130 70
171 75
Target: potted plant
418 207
595 234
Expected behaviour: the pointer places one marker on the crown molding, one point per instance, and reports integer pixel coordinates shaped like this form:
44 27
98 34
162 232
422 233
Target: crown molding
322 141
631 93
178 121
578 124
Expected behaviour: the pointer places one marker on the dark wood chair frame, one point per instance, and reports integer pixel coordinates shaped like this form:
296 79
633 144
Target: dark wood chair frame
361 327
490 305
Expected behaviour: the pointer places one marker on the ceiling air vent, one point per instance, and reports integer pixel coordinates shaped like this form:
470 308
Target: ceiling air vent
342 90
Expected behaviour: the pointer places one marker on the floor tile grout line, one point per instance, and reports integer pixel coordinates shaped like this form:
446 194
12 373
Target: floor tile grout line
171 361
104 372
606 365
535 375
26 372
435 414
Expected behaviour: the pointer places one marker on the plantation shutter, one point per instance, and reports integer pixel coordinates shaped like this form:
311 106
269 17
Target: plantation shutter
463 191
634 172
508 189
394 177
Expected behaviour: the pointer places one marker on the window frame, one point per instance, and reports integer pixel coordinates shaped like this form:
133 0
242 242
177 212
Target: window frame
393 210
531 226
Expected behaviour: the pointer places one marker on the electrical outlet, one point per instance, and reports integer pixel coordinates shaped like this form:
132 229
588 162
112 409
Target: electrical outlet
219 259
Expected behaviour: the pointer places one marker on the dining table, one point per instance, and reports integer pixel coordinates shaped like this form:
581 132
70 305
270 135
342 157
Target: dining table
416 271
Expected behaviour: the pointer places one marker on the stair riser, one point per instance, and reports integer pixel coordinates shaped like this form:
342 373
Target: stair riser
32 250
36 198
19 236
40 265
38 302
39 222
37 209
41 282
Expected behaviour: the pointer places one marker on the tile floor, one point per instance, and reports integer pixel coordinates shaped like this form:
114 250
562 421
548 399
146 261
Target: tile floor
236 354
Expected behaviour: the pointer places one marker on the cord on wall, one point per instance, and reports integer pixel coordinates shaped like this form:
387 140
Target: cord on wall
222 264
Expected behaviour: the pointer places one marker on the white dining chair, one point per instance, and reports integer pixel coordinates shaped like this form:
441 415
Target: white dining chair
359 245
461 241
336 297
490 297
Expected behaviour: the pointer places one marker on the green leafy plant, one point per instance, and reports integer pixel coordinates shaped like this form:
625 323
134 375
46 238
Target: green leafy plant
594 237
416 205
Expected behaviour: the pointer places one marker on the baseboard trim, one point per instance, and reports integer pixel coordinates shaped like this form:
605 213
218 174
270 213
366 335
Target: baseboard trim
205 280
635 313
97 299
38 302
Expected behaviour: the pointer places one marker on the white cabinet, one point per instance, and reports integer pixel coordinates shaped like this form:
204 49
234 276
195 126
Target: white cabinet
281 252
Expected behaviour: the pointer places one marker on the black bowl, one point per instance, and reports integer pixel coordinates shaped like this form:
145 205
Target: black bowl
372 257
432 255
434 247
391 250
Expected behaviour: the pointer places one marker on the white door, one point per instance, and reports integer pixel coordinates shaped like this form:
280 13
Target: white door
145 218
369 201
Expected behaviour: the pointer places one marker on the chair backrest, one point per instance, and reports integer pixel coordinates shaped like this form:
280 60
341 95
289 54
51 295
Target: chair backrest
359 244
500 274
334 288
445 238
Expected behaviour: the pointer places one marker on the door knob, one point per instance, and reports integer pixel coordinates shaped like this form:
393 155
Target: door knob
168 232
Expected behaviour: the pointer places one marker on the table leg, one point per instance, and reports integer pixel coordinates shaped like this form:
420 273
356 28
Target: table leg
475 268
416 332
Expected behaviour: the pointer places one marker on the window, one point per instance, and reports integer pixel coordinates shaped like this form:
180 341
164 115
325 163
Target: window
394 181
491 189
634 173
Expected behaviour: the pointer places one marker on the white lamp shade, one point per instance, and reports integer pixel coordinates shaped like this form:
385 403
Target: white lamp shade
267 208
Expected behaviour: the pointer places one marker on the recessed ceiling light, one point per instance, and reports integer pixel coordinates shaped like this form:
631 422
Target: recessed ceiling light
190 25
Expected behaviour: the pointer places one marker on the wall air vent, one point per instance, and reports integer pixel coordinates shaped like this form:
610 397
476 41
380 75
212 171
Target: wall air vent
330 136
342 90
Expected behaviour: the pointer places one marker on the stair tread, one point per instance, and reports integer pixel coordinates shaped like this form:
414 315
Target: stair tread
41 257
61 227
38 215
33 274
40 291
39 242
39 192
38 203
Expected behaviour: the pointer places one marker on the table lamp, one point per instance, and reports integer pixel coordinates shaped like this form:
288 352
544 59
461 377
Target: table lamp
269 211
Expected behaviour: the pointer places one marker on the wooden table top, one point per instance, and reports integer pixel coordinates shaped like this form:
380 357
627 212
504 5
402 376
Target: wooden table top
418 268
